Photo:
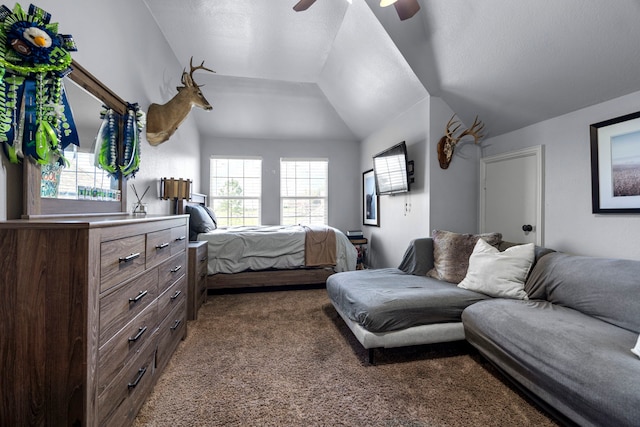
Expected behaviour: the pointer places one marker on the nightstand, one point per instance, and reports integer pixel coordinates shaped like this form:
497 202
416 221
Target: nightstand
197 285
361 247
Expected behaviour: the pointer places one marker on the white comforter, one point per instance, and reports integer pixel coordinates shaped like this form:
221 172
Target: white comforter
236 249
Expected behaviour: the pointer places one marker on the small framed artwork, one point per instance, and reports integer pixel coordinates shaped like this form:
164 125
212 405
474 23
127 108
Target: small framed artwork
370 200
615 165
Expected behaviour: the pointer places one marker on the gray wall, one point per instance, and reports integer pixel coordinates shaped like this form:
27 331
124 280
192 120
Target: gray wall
569 224
120 43
344 175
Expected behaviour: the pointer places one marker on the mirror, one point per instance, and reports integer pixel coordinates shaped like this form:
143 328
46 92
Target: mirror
80 188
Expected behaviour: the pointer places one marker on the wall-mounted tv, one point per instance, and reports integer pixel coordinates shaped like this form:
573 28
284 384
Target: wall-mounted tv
390 170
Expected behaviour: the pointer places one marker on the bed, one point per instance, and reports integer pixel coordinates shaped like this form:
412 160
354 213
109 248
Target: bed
275 255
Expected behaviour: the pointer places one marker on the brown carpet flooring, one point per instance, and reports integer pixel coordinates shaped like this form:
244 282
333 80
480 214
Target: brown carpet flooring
285 358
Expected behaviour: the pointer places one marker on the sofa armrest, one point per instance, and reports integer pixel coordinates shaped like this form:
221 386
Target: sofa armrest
418 258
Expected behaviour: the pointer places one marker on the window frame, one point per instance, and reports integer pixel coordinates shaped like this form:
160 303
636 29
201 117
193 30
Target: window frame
213 198
324 198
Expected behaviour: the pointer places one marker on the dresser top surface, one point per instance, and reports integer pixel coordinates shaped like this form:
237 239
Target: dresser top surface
98 221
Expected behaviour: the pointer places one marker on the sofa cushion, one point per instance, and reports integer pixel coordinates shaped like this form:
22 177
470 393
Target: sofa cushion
451 252
608 289
636 350
576 363
499 274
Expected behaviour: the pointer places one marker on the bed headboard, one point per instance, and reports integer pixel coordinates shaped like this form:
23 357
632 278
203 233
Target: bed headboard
196 199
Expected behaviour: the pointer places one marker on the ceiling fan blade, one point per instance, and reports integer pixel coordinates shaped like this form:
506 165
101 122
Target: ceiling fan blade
406 8
303 5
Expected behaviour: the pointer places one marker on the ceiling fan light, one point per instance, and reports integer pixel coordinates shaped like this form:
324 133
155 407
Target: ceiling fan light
385 3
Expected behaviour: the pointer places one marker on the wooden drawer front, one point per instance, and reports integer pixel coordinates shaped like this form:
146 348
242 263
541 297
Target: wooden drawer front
113 356
121 259
117 308
158 247
179 239
120 402
171 331
172 297
172 270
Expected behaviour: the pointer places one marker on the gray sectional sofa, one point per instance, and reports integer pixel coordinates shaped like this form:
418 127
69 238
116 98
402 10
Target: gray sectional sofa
568 344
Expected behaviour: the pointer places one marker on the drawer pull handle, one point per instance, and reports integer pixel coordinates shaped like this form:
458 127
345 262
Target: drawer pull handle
129 258
139 297
135 382
176 324
138 335
162 245
203 259
176 269
203 275
178 239
176 295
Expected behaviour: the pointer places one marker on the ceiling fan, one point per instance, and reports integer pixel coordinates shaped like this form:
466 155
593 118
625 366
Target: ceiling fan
405 8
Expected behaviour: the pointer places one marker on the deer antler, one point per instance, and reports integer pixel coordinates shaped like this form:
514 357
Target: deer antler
448 142
475 131
187 79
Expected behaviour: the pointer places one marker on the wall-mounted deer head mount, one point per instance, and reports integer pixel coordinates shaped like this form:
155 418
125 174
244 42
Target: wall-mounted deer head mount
448 142
163 120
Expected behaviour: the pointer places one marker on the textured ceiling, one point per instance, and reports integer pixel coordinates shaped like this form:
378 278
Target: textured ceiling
339 70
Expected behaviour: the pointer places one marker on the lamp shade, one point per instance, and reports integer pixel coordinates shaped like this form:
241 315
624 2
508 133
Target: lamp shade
172 188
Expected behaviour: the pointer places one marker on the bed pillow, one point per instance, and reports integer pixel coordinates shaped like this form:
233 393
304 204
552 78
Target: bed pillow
199 221
499 274
212 215
451 252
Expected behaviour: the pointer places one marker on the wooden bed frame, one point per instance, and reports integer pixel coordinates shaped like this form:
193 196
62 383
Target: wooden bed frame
253 279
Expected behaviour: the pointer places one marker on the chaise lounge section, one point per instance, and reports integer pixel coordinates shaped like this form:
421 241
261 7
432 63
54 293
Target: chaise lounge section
565 337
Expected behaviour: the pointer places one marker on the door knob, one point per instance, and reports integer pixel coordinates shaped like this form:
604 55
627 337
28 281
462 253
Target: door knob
527 228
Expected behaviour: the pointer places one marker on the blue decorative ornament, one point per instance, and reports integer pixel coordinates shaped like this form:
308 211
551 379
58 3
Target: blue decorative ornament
35 118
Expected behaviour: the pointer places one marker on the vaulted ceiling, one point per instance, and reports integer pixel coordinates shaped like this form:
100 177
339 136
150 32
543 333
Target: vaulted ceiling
341 70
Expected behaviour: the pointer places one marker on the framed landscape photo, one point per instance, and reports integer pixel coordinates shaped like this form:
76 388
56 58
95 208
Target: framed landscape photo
370 200
615 165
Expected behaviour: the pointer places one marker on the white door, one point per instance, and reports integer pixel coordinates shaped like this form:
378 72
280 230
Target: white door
511 195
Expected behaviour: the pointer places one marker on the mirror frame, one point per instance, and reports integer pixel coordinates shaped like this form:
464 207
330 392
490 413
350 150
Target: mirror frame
36 206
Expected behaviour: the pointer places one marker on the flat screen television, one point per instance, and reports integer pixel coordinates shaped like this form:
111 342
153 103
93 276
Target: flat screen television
390 170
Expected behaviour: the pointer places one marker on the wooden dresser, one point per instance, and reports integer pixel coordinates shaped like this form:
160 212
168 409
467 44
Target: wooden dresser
198 257
91 311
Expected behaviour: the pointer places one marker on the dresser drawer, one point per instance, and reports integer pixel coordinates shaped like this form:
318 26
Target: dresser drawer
122 304
121 259
116 352
179 239
120 402
172 297
172 329
171 270
158 246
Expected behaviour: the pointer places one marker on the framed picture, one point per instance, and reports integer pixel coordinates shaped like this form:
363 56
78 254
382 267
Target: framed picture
615 165
370 200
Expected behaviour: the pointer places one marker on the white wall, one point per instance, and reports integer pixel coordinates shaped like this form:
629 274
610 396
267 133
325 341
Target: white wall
344 174
569 224
120 43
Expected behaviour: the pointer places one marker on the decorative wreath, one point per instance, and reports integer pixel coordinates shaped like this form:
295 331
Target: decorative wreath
35 118
107 141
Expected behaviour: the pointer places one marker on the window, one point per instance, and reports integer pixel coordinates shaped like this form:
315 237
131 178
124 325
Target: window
235 190
303 191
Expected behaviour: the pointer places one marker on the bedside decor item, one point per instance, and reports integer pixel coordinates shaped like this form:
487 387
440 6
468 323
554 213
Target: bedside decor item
163 120
139 207
448 142
175 189
35 118
370 200
615 165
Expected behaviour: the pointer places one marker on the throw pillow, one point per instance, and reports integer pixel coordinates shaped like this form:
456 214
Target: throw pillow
212 215
451 253
636 350
199 221
499 274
